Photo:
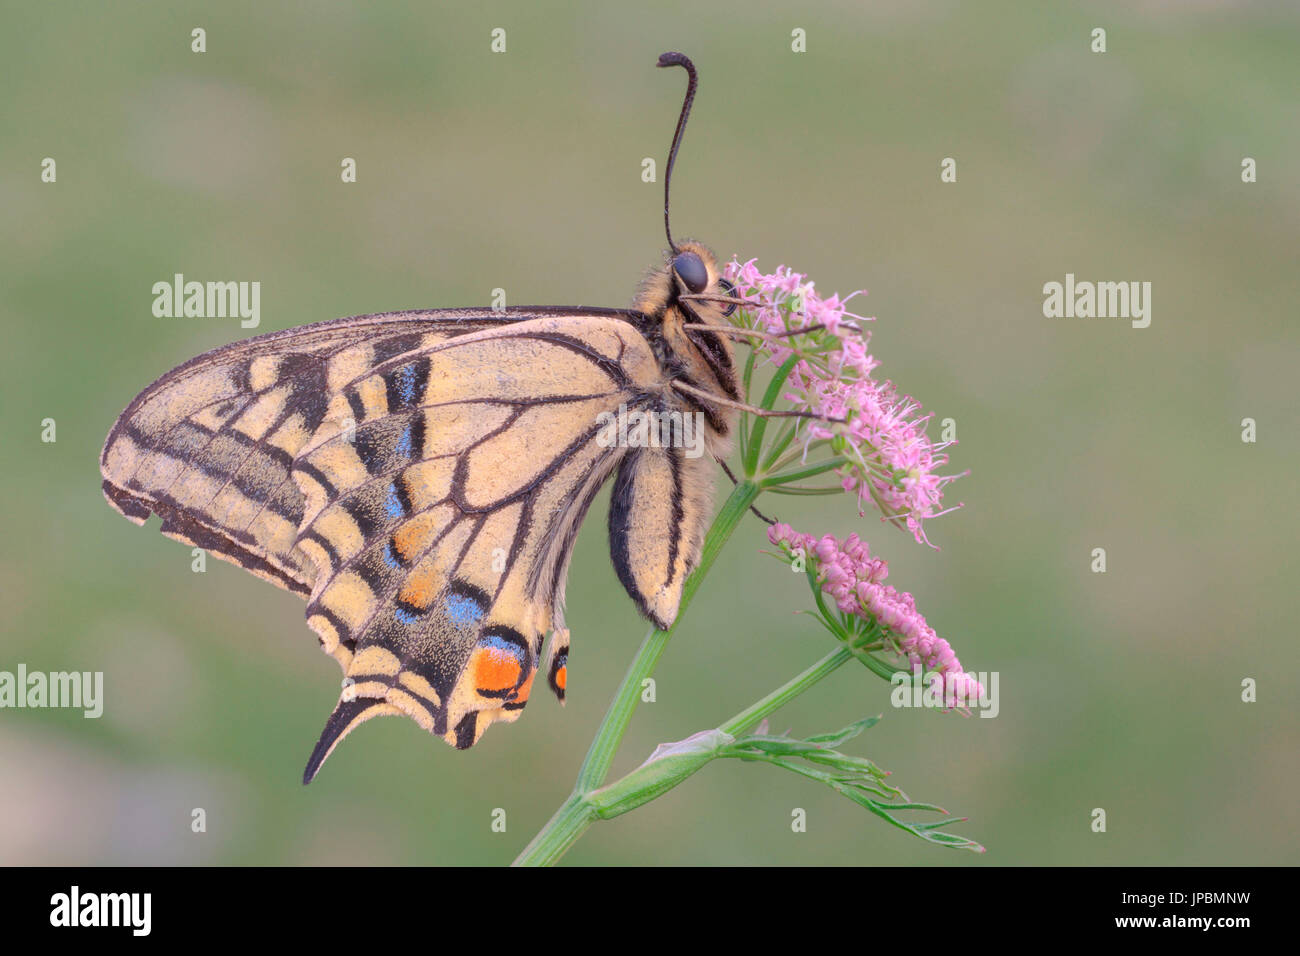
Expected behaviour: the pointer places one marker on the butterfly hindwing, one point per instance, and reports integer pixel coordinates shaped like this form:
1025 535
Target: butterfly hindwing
444 527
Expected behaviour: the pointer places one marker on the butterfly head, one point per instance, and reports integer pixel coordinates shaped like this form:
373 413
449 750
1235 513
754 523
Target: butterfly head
689 281
679 300
695 270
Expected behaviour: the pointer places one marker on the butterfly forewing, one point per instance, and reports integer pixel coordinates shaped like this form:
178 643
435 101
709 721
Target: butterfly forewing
209 446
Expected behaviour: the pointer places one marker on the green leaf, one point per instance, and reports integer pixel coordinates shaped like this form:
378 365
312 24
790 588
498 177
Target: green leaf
857 778
848 733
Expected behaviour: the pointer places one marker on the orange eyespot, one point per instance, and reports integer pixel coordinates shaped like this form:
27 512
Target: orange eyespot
495 670
499 666
559 675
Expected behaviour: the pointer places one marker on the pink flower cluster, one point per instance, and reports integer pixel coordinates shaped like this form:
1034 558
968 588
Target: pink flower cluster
890 458
855 580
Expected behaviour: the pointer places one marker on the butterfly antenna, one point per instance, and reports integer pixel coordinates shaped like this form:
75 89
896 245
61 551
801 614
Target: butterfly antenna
677 59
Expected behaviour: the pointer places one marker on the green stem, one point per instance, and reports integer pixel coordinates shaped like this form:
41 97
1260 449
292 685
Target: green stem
879 667
743 425
780 445
801 490
577 813
774 387
568 824
657 776
778 462
811 471
786 692
600 756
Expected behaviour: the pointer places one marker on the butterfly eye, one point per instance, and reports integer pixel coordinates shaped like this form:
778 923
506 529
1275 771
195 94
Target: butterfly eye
691 270
729 290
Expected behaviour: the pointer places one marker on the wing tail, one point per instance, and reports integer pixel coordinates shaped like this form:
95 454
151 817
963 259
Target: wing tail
348 715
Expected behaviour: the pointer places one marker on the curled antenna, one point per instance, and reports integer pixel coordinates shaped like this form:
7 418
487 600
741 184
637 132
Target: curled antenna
677 59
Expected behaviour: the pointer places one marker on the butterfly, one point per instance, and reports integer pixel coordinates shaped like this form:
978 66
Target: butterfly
419 477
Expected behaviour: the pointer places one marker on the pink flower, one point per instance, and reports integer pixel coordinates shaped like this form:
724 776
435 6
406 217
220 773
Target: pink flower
890 460
854 580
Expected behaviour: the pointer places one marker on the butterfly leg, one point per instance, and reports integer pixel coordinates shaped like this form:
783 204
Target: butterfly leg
753 410
727 471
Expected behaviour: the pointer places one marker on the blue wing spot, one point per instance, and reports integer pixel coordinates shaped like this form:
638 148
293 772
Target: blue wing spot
404 444
405 616
463 610
406 383
390 556
393 505
498 643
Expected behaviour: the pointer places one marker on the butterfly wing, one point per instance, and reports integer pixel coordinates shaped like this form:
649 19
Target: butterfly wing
418 477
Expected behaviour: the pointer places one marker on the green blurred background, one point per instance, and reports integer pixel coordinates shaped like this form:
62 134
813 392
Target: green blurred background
1118 690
